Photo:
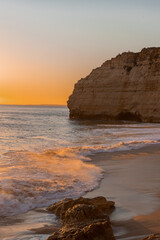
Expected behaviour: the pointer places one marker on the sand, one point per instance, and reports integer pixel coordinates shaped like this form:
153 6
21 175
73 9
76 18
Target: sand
132 180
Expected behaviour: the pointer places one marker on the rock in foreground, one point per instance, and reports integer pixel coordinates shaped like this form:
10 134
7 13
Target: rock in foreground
126 87
83 219
155 236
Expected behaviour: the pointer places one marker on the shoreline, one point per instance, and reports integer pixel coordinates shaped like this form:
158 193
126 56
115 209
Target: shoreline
126 223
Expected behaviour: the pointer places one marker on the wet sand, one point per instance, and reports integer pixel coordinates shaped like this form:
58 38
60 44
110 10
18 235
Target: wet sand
151 221
132 180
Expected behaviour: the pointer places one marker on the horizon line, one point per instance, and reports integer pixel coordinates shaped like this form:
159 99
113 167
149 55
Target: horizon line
58 105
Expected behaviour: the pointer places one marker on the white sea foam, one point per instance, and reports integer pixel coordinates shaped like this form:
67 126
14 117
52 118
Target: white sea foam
38 179
121 146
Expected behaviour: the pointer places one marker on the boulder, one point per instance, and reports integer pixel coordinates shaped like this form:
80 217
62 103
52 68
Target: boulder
60 208
96 231
82 213
83 219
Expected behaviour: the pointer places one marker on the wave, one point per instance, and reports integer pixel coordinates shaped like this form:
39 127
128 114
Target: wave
120 146
31 180
86 150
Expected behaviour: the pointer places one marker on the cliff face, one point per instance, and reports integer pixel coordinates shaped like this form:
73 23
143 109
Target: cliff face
126 87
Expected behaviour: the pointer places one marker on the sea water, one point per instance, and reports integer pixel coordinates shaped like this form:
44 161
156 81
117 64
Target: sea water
44 154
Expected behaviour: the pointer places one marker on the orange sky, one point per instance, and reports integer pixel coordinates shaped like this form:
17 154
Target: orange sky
37 82
46 46
23 85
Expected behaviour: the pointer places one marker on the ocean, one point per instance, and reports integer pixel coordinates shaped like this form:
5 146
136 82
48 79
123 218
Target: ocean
45 155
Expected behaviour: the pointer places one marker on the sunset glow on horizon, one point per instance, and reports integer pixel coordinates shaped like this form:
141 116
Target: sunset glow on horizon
47 46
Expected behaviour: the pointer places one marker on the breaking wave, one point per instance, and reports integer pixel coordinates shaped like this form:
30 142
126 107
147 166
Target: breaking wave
31 180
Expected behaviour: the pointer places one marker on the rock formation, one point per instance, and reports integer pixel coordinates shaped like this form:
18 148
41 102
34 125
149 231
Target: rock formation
126 87
155 236
83 219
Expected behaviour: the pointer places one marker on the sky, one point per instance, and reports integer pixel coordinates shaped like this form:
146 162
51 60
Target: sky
46 46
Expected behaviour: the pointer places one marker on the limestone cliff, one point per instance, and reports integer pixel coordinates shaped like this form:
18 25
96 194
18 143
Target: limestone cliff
126 87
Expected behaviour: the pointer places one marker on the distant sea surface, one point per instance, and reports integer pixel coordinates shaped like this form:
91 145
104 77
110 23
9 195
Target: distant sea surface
44 154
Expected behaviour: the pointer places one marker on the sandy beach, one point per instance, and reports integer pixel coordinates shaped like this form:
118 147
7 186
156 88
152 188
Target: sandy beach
132 181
